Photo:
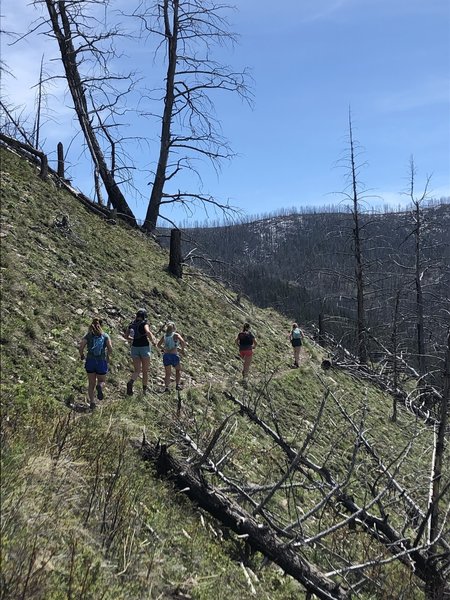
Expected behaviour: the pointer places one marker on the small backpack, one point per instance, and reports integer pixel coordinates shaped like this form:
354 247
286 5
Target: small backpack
297 334
97 345
245 339
139 329
169 342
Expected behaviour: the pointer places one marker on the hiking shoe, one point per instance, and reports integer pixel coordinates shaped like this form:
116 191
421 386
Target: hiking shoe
99 389
130 387
92 405
144 389
166 389
178 388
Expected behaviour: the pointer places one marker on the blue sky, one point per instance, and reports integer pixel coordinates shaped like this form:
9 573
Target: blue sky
310 60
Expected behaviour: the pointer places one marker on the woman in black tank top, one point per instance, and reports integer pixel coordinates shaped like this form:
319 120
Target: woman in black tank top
139 332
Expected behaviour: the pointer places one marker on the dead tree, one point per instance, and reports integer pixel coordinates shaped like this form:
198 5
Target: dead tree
418 233
65 21
61 168
357 250
175 258
232 515
37 125
30 151
189 129
435 585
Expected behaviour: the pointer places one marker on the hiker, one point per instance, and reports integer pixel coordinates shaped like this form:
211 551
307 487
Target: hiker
169 343
99 349
296 337
246 342
138 332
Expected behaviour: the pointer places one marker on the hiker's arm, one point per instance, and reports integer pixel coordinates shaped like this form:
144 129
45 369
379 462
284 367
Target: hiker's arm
109 346
150 335
81 348
255 343
182 342
160 343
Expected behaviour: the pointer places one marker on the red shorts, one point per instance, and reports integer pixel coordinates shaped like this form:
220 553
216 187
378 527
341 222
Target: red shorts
244 353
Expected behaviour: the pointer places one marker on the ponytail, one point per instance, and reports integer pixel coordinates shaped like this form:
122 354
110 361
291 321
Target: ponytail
96 326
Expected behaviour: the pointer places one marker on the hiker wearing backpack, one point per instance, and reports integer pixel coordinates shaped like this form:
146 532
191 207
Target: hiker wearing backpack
170 343
247 343
138 332
296 337
99 349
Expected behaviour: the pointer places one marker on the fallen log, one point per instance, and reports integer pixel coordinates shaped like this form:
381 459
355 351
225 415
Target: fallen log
378 528
232 515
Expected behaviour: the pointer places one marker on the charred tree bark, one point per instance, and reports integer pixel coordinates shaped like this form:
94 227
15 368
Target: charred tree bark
240 521
435 585
63 34
394 338
419 291
171 34
175 258
378 528
35 154
61 168
359 269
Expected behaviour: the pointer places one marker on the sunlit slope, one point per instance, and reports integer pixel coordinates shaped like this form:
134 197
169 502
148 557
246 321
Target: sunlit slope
83 517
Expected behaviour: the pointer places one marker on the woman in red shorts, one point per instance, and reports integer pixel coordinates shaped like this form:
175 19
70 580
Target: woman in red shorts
246 342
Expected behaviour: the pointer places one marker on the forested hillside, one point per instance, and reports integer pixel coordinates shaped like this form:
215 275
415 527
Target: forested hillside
300 485
303 265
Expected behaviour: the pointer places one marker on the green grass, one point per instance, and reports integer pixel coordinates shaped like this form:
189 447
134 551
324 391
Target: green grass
83 516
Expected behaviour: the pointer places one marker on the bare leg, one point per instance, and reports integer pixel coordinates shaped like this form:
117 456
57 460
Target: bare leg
101 380
137 364
296 355
168 371
92 380
247 363
177 375
100 385
145 365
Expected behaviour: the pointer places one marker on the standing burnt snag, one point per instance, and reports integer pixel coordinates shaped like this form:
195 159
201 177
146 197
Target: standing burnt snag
175 260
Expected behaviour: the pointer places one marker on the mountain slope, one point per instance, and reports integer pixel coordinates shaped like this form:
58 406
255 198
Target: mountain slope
82 515
308 260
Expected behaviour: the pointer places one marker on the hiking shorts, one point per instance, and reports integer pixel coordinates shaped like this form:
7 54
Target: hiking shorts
140 351
296 342
171 360
96 365
244 353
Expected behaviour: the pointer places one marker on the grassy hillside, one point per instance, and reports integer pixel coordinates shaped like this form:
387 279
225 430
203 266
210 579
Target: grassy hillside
83 516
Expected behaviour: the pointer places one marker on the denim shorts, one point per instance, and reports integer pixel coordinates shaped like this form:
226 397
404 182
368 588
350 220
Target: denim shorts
172 360
96 365
141 351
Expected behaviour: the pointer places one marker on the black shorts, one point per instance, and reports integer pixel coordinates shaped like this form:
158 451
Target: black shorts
296 343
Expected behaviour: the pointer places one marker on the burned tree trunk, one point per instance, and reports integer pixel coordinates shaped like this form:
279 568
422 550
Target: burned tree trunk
35 154
232 515
435 585
61 169
62 30
175 259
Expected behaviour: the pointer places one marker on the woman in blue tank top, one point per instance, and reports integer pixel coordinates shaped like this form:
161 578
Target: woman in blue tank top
169 343
99 349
